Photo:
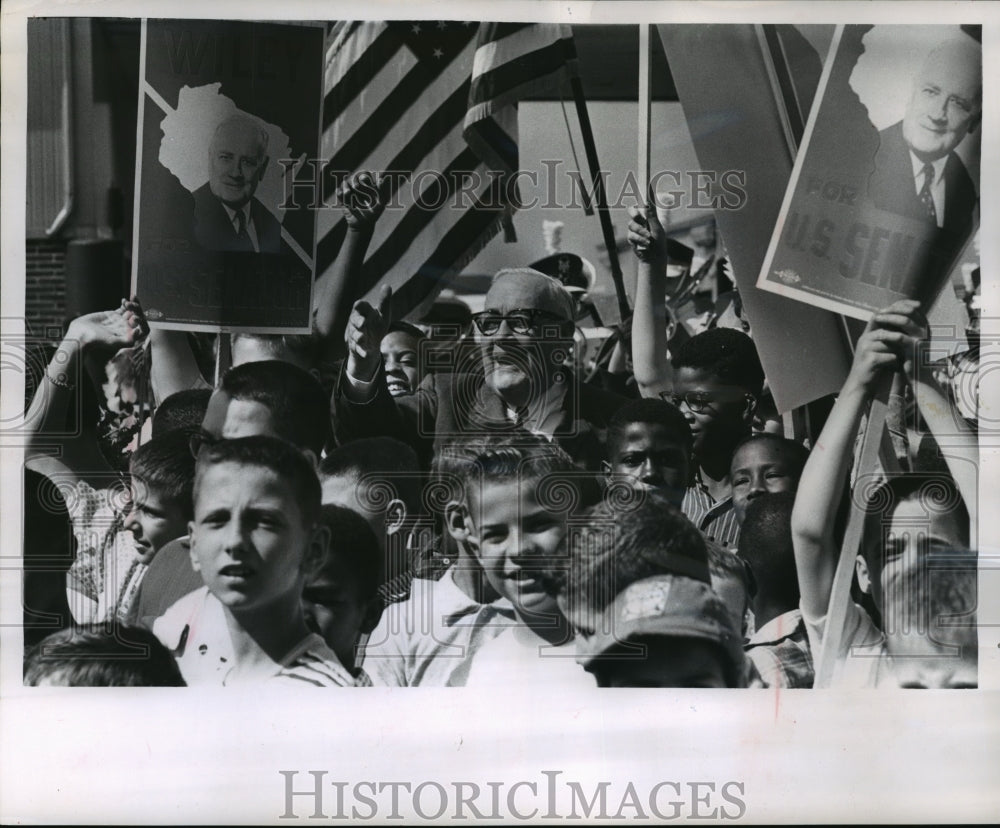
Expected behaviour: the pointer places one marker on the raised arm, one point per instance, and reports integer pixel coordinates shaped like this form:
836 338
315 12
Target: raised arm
829 463
95 336
173 367
649 318
959 443
363 197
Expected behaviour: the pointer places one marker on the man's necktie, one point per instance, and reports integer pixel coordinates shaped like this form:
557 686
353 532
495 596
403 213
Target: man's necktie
241 226
925 193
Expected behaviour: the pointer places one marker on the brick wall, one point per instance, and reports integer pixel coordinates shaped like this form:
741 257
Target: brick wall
45 288
44 304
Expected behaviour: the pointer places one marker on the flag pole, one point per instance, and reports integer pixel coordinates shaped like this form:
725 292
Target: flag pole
644 107
223 355
875 448
600 198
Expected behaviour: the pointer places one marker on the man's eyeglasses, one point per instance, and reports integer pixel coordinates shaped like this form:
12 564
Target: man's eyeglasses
521 321
698 401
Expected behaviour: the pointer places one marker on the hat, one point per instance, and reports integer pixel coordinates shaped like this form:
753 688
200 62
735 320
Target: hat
567 268
665 605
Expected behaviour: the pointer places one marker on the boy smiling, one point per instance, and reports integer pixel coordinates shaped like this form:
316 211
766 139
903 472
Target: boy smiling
516 519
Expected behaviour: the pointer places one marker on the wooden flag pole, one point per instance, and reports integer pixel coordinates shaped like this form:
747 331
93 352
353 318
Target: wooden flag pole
876 447
644 107
600 199
223 355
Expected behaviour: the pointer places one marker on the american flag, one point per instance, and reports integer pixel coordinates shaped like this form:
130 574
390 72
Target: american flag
434 104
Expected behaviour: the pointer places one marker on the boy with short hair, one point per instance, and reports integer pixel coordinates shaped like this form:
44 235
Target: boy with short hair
717 381
256 538
779 647
905 526
270 397
765 464
650 544
515 511
649 447
618 545
341 598
401 358
451 610
380 479
99 656
114 546
185 409
301 350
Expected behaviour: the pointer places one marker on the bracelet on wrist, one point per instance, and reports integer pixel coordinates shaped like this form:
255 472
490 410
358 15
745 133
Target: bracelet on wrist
60 381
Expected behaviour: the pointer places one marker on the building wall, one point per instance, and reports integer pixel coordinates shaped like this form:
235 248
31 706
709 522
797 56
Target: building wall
45 287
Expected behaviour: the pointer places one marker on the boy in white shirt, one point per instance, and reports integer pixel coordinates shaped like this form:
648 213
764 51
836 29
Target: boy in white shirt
255 538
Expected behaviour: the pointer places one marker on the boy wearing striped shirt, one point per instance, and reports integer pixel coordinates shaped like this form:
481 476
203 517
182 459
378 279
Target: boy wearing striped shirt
255 538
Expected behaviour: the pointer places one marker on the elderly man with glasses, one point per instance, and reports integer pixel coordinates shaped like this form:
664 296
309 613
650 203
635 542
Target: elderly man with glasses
522 378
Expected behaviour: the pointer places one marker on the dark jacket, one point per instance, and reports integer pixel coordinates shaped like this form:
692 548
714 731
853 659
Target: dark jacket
448 406
892 187
214 230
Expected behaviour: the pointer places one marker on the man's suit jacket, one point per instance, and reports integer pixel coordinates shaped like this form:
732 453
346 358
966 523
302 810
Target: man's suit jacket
448 406
892 185
214 230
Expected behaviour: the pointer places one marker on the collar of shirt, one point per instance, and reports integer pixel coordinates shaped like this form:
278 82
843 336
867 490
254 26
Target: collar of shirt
251 230
546 415
452 604
713 505
778 629
918 169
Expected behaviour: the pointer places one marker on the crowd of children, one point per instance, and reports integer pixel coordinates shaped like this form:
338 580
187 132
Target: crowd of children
384 523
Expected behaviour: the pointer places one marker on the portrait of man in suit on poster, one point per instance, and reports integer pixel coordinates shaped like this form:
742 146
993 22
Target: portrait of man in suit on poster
917 172
227 214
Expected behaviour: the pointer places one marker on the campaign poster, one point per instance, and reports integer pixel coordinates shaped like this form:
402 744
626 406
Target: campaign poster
885 189
228 111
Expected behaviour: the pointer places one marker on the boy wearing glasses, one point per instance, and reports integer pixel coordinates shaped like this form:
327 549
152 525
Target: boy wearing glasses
717 381
524 334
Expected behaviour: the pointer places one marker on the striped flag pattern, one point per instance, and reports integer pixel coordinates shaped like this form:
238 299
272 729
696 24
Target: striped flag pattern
433 103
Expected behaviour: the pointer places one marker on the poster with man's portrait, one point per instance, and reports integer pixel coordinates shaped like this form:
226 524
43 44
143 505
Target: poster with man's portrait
228 117
885 190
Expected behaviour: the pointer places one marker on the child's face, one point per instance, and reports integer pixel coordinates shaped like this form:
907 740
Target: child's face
334 609
516 538
669 662
249 539
912 533
918 663
714 409
400 360
153 520
759 467
649 458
